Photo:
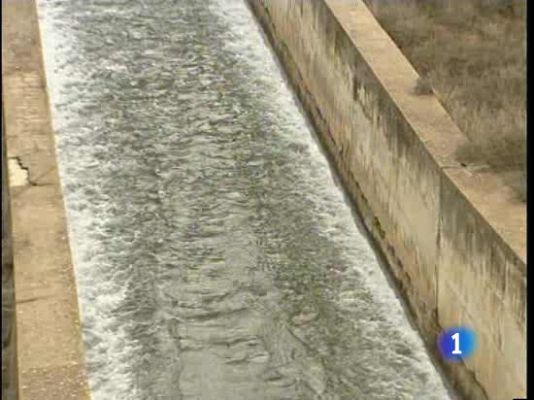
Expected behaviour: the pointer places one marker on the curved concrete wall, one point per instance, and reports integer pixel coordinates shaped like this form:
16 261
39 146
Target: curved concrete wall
453 235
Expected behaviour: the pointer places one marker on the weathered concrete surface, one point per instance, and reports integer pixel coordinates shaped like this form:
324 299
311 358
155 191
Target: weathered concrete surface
455 237
49 343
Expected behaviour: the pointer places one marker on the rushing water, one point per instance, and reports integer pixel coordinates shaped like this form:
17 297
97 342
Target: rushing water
216 257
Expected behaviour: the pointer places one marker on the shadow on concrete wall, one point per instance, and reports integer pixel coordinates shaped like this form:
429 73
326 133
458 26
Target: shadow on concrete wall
9 367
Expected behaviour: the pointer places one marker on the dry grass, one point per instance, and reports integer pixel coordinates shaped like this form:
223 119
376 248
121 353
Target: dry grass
473 53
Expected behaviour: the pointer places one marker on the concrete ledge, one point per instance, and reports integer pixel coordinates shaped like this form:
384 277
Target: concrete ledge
50 352
454 236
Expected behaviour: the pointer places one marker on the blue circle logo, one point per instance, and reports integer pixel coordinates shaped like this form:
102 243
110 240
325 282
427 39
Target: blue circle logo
456 344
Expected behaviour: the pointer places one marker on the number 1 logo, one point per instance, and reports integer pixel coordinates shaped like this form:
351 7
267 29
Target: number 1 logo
456 338
456 344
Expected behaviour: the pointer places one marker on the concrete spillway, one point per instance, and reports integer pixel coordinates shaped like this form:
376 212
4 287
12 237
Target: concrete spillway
215 255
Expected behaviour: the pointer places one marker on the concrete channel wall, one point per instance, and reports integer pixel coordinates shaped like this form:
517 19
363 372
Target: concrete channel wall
453 235
49 349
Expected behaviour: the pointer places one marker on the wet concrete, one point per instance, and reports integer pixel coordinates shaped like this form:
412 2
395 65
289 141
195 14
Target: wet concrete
215 255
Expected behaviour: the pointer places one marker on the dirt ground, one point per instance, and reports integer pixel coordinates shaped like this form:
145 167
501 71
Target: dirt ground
473 56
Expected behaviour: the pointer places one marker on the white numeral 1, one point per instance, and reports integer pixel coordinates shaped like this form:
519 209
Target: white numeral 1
456 338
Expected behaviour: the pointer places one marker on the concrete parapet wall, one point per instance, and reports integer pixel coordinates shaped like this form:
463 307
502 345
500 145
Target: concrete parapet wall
454 236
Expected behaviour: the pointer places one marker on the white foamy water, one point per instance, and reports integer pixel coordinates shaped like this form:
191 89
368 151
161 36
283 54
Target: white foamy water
215 256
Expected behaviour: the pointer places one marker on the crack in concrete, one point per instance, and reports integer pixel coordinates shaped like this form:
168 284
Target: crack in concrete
20 173
31 299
